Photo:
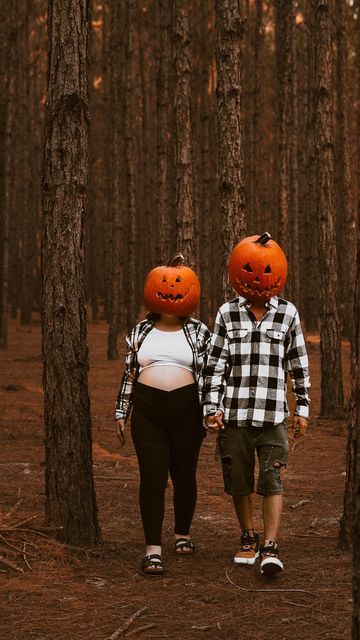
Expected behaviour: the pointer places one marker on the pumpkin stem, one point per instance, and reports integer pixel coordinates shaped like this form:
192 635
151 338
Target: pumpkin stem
263 239
177 260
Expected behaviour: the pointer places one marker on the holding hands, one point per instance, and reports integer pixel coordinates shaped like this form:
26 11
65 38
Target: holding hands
214 423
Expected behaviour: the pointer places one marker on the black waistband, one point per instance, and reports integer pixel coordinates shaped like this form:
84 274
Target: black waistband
144 390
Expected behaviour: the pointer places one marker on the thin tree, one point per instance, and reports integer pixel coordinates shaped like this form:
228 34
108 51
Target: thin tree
115 166
70 495
130 170
6 116
163 244
354 427
230 128
183 152
332 398
345 222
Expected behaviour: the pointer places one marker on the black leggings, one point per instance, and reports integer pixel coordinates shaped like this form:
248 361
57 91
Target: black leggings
167 432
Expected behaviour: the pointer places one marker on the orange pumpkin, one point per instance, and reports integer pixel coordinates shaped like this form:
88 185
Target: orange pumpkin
173 290
257 268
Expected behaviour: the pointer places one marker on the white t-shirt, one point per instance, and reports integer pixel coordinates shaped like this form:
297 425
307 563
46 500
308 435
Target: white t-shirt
161 348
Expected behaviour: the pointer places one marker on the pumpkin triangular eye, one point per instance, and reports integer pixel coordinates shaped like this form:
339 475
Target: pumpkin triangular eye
178 279
247 268
164 279
267 269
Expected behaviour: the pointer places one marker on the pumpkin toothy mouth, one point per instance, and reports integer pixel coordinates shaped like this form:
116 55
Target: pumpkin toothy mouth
170 296
257 291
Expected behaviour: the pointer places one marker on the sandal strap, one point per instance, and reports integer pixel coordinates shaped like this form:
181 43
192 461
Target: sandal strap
153 556
184 542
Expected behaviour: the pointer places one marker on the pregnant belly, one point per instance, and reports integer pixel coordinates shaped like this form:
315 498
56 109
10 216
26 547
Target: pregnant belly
166 377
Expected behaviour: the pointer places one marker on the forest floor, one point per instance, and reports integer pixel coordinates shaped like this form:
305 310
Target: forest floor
52 592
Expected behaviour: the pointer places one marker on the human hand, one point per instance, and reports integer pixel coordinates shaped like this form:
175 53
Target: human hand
214 423
119 430
298 427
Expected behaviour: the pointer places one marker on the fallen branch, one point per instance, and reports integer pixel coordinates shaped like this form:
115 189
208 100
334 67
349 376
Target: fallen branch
121 630
312 535
299 504
298 604
309 593
10 564
145 627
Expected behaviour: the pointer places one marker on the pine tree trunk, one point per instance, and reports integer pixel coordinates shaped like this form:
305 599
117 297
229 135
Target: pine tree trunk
116 199
332 399
70 494
230 129
345 219
309 261
6 110
283 42
255 150
183 152
354 427
163 134
129 164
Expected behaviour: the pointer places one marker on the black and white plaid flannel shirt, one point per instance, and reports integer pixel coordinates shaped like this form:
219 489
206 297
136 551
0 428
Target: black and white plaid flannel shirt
198 337
248 362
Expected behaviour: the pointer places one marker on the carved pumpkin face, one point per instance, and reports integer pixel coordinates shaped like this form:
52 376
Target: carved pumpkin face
257 268
172 290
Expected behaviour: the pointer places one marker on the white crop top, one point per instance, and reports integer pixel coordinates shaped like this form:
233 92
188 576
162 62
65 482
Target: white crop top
165 348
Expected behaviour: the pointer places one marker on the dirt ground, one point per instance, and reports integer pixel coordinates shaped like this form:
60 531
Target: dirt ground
52 592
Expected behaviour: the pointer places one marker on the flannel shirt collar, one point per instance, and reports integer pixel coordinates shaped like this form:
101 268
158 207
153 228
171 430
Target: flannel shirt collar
274 302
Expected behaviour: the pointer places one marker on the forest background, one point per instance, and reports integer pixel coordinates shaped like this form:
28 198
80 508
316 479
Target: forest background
159 126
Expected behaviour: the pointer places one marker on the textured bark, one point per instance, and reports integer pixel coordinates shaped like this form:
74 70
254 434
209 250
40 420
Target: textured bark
309 231
205 217
27 222
294 164
183 156
129 167
70 495
230 128
6 111
163 245
116 201
345 216
332 398
354 426
257 101
287 134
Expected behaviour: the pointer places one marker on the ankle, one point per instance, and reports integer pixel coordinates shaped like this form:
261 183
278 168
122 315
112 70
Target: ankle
269 542
152 548
249 532
185 536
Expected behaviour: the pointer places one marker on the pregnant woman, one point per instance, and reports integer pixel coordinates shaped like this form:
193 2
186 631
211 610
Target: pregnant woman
162 381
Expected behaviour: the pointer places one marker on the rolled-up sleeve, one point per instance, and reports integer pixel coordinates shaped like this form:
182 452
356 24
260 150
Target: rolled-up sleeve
126 391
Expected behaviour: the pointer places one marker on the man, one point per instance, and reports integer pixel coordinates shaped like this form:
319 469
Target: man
257 339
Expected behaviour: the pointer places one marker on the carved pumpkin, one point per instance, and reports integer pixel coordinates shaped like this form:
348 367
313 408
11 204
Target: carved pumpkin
257 268
173 290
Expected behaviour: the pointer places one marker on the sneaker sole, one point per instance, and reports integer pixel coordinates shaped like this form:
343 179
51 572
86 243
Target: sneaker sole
271 566
246 560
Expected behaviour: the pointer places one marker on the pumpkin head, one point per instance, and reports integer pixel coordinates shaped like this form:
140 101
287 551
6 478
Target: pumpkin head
257 268
172 290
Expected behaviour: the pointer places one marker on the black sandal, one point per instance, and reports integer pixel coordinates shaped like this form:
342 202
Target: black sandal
152 564
184 547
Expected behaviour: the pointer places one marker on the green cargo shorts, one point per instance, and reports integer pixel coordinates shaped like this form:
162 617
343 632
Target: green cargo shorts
237 446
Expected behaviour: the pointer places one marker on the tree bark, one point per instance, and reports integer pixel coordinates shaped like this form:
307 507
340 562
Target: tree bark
129 164
345 219
183 152
116 200
332 399
230 128
354 428
6 116
70 494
